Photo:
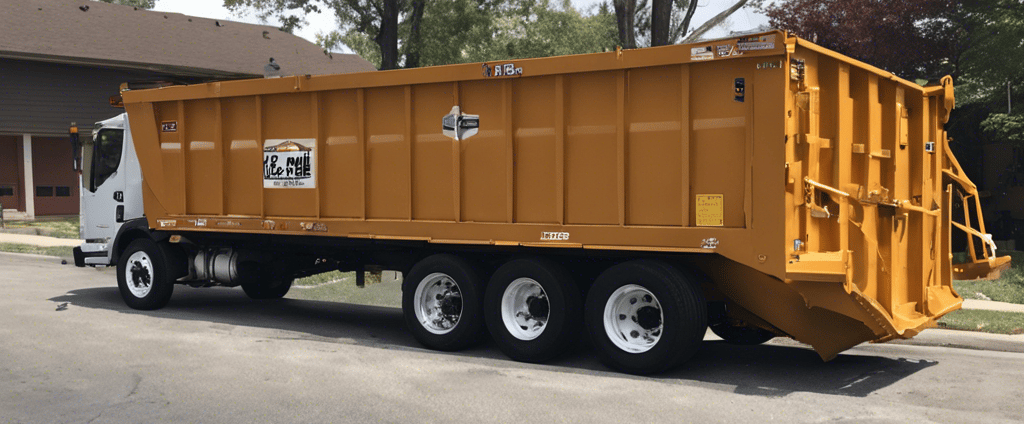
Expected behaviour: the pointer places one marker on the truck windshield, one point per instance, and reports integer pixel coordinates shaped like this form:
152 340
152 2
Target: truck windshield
107 155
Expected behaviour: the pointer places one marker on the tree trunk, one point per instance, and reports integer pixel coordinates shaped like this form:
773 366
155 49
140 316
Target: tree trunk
661 16
691 7
713 22
387 37
414 43
625 13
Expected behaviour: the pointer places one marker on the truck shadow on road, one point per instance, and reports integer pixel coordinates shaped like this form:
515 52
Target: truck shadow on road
771 370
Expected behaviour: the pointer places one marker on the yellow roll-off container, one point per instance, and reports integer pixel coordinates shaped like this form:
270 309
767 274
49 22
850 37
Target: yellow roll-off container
813 191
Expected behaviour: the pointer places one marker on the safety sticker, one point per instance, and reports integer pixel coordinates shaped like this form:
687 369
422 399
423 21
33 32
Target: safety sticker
710 210
727 50
169 126
289 163
701 53
757 42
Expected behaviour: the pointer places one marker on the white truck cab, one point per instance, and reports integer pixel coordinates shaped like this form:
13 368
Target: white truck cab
111 192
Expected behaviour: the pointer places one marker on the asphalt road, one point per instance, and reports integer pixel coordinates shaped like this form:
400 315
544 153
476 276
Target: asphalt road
215 356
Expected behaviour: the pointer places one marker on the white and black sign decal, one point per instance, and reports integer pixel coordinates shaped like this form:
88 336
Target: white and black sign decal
169 126
458 125
289 163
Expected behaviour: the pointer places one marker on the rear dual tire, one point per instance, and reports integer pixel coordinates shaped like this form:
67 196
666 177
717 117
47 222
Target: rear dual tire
642 316
532 309
645 316
442 303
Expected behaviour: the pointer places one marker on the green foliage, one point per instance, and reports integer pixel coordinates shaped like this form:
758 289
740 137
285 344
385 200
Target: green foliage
1003 127
987 321
978 42
454 31
341 287
992 50
535 28
141 4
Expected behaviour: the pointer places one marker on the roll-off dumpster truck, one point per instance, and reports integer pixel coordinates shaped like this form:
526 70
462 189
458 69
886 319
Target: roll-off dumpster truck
760 185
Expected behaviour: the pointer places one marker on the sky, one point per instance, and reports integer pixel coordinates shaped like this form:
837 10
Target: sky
742 20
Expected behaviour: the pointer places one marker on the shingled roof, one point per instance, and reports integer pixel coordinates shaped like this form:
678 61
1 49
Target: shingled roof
93 33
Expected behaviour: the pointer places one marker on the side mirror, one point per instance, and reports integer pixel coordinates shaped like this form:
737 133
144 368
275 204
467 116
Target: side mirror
76 147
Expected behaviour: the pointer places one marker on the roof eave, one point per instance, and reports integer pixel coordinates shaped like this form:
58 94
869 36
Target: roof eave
177 71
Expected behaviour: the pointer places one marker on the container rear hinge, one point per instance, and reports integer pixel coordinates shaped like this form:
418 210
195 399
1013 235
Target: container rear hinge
796 69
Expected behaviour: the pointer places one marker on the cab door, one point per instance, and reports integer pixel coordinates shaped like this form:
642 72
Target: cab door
103 183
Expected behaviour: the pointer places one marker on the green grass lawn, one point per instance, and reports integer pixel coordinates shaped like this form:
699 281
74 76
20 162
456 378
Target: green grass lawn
337 286
1009 287
986 321
59 251
64 227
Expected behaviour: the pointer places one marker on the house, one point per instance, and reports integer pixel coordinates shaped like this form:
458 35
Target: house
61 61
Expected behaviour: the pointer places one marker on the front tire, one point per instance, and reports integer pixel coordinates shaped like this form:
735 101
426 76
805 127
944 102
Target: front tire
143 276
442 303
645 317
533 309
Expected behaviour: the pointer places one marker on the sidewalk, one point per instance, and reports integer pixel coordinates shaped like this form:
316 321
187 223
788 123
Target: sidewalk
43 241
990 305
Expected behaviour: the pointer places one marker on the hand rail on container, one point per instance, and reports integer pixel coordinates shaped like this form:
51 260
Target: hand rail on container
988 266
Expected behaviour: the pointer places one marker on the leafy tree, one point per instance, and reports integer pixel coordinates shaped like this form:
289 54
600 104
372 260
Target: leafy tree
434 34
377 19
141 4
536 28
415 33
992 50
978 42
1004 127
911 38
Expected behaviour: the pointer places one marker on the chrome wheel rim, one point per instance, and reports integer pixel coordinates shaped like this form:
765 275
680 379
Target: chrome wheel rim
438 303
633 319
139 274
525 309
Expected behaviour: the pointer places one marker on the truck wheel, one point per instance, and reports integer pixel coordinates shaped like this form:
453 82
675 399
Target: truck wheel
441 303
264 290
741 335
143 276
532 309
645 317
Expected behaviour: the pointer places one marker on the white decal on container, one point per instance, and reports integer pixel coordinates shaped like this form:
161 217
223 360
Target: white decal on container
554 236
702 53
289 163
757 42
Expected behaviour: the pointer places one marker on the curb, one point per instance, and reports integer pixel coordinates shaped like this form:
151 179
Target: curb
963 339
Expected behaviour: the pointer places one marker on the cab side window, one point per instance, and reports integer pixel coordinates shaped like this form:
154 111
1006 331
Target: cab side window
107 155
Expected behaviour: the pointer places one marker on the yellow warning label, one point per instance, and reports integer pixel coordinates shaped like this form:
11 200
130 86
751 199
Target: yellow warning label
710 210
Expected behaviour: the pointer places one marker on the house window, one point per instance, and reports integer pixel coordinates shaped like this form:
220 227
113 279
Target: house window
6 191
63 191
44 191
